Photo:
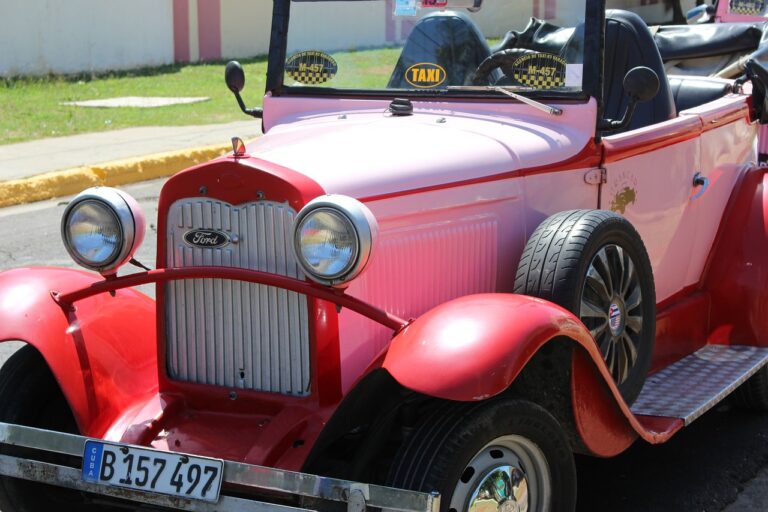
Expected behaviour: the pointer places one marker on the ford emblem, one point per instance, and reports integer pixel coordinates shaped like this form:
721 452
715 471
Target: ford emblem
206 238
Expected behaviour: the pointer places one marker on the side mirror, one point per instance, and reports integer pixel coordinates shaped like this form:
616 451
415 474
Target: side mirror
234 76
641 84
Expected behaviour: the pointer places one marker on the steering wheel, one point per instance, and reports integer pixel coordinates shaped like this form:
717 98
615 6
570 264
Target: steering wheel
501 59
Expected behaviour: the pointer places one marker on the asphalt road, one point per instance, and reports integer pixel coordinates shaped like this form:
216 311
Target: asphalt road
720 458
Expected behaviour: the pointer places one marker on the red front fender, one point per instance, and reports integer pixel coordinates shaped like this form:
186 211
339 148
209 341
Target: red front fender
474 347
102 353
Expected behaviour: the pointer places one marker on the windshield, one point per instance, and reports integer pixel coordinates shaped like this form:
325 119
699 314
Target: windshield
396 45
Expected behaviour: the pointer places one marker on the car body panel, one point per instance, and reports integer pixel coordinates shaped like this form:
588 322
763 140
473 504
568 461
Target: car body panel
652 190
385 154
472 348
101 353
267 438
480 229
736 274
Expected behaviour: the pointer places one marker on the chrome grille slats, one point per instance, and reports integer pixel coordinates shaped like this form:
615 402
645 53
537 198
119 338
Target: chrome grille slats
231 333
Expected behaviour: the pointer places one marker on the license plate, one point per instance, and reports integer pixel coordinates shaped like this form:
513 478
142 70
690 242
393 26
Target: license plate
144 469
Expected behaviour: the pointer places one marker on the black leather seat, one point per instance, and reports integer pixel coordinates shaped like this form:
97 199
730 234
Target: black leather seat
539 35
450 39
691 91
628 44
542 36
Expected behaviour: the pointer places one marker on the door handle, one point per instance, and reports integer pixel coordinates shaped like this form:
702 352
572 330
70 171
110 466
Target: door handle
699 180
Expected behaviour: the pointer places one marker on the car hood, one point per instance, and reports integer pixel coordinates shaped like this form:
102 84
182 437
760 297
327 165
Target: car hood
372 153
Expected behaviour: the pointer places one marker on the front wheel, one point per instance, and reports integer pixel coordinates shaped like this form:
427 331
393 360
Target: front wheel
509 455
30 396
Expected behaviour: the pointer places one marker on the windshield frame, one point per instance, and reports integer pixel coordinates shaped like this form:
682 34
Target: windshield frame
594 44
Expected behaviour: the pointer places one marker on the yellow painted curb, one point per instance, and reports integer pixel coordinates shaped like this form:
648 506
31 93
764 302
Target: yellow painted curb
120 172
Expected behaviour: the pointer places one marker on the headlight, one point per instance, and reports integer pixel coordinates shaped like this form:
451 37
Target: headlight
334 239
102 228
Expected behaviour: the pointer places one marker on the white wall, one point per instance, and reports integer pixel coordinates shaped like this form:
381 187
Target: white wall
70 36
245 27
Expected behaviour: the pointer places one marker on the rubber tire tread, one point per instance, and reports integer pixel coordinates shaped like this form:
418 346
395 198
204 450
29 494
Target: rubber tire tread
753 394
31 397
555 256
435 455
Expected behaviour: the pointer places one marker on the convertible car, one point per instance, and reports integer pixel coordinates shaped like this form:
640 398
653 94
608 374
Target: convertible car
458 255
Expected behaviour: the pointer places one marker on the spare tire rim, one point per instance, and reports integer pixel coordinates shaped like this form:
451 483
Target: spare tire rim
510 474
611 308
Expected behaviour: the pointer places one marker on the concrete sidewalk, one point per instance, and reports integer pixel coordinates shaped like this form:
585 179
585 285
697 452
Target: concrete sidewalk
47 168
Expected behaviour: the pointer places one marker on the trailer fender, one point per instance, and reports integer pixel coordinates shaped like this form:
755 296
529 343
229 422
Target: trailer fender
473 348
102 352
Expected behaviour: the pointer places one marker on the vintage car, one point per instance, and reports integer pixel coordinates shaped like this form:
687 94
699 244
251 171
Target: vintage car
447 266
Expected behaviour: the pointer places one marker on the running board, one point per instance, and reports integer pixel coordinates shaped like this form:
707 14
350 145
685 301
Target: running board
693 385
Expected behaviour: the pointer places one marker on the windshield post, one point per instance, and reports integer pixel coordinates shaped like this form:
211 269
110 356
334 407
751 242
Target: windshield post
278 44
594 54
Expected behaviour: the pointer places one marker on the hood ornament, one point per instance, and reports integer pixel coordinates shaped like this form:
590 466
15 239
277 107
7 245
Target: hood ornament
238 147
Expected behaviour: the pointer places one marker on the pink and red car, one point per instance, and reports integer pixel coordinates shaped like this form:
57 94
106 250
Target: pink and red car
443 270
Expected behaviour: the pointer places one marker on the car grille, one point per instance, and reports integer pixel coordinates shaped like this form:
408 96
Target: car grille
231 333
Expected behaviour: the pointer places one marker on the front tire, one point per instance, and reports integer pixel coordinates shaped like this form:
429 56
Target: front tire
500 455
30 396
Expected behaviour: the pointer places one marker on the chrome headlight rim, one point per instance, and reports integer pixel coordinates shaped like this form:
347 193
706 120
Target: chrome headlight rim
364 229
129 219
355 249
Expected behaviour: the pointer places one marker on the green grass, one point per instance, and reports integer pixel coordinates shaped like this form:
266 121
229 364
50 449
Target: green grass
30 108
366 69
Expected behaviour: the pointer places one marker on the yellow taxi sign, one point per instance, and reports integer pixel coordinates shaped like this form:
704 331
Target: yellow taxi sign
425 75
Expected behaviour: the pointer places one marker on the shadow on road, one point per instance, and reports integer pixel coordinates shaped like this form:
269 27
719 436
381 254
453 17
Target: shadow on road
702 468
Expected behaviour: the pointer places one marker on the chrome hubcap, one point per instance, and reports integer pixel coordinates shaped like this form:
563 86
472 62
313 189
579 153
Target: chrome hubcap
611 308
509 475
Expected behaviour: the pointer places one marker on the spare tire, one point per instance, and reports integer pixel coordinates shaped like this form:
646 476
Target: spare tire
594 263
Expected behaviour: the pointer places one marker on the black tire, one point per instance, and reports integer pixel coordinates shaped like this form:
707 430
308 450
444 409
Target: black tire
438 456
753 394
29 395
555 265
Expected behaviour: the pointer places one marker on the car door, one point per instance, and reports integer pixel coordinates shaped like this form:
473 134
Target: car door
727 150
649 180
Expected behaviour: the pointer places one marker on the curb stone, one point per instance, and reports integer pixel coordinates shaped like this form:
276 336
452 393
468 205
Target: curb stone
120 172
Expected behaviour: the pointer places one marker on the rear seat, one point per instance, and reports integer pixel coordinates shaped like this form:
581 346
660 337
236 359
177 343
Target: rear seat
694 91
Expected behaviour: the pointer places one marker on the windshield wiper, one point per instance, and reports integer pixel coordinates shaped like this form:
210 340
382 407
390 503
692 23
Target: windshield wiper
506 90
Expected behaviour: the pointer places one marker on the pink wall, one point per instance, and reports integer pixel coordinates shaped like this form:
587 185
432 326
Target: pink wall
181 30
208 29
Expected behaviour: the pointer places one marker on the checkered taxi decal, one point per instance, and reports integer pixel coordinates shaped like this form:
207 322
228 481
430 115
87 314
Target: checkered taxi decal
540 71
311 67
747 7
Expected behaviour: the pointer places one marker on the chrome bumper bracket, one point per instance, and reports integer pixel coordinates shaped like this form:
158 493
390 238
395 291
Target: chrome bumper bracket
248 478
